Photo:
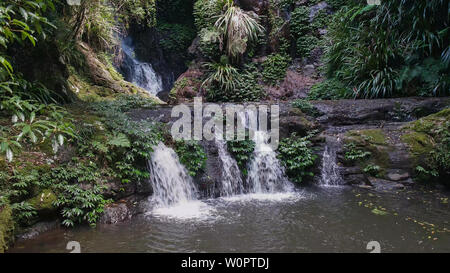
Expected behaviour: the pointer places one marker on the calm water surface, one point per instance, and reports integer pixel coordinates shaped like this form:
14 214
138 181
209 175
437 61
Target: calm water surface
330 219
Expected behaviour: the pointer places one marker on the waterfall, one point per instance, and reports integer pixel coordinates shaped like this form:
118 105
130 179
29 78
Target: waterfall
266 175
330 170
232 183
140 73
170 180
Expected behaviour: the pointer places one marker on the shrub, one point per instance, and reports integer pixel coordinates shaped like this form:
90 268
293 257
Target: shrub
244 87
23 213
300 24
321 20
248 87
206 12
242 151
297 156
432 76
331 89
79 205
209 43
221 75
274 68
306 107
237 28
192 155
175 37
305 44
138 12
369 47
127 145
373 170
352 153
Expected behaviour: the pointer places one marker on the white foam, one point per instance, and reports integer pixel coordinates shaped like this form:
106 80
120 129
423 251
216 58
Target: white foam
266 197
192 210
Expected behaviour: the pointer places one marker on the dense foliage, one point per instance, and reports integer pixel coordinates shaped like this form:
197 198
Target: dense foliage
192 156
398 48
306 107
226 34
242 151
297 156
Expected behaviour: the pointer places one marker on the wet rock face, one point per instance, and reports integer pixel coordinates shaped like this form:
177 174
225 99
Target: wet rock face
46 67
351 112
294 121
115 213
257 6
376 126
122 210
316 8
295 85
187 86
38 229
148 50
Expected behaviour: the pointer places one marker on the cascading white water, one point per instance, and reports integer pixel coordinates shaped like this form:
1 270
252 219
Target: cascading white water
174 192
330 170
266 175
170 180
231 182
139 73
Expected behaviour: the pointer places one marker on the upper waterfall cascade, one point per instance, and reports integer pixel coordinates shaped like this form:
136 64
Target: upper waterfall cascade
139 73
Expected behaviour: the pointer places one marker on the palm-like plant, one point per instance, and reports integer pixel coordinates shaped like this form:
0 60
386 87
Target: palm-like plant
237 27
222 74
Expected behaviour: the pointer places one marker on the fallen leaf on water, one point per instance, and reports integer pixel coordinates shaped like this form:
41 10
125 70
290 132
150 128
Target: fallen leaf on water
379 212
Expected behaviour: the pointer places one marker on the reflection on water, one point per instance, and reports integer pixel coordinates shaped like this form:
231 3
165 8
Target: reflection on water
314 220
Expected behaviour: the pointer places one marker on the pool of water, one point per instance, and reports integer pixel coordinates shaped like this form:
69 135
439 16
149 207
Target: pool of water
322 219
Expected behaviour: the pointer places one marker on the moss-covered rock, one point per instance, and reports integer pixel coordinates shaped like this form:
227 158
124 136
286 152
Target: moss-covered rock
187 86
422 135
295 121
373 141
43 203
431 124
6 228
103 80
418 143
372 136
428 141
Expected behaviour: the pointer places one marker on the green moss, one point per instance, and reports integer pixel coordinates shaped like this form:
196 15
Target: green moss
372 136
107 61
428 140
419 143
43 202
6 228
430 124
373 141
